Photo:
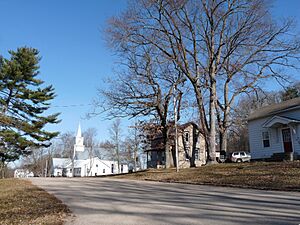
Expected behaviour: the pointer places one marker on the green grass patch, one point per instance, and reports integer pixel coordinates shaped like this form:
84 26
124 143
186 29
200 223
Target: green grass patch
23 203
262 175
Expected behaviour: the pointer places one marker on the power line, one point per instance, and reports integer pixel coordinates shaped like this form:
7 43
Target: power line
69 106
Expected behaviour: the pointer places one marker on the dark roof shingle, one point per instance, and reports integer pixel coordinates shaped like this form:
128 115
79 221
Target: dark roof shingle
275 109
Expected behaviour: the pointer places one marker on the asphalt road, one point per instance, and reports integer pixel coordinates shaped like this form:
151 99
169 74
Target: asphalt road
113 201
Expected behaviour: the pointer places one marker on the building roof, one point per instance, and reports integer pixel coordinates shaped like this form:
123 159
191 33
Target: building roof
60 162
82 155
275 109
277 121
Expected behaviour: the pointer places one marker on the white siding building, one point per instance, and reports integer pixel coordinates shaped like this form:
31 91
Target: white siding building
23 173
94 167
274 131
84 163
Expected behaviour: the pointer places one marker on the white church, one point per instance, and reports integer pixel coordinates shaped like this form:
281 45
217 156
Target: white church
84 164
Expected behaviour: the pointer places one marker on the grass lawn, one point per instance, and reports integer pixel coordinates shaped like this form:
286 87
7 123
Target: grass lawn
262 175
23 203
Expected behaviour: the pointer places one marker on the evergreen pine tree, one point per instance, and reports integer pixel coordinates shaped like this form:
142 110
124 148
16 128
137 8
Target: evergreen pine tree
23 105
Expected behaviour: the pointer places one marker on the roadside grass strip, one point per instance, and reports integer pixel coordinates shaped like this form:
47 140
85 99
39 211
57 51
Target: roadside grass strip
284 176
23 203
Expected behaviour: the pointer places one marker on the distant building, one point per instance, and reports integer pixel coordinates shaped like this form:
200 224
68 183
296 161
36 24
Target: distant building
23 173
274 131
59 165
84 163
191 148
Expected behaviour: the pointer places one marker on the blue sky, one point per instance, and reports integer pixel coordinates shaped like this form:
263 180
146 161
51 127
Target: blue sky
75 58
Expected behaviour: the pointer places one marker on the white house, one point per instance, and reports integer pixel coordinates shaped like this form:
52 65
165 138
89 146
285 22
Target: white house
84 163
274 131
23 173
94 167
58 165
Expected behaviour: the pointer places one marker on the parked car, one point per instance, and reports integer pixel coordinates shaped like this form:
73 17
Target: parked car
240 157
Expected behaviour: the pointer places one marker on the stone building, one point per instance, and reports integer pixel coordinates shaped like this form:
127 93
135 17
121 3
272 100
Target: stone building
191 148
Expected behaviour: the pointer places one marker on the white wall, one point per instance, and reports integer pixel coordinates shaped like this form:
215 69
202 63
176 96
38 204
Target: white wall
276 146
97 167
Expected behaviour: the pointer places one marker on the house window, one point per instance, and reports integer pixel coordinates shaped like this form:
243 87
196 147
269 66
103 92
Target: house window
112 168
121 168
103 170
266 139
186 136
197 154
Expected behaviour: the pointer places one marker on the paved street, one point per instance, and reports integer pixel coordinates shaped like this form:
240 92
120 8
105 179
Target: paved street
113 201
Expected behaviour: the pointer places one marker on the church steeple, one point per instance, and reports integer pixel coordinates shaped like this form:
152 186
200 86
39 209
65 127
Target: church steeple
79 141
78 131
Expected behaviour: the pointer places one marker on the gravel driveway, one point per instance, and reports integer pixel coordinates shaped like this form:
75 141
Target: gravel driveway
114 201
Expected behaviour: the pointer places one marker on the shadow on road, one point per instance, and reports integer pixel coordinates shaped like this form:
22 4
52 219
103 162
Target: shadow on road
112 200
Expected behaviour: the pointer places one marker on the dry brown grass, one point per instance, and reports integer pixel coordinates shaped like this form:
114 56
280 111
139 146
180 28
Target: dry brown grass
23 203
262 175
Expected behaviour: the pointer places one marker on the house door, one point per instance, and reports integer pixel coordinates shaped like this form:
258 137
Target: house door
287 140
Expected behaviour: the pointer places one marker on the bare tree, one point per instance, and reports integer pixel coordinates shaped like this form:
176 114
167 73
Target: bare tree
238 137
90 143
36 162
144 88
133 143
68 142
223 47
115 136
108 149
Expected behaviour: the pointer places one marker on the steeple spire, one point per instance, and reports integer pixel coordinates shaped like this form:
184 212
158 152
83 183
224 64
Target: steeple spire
79 131
79 141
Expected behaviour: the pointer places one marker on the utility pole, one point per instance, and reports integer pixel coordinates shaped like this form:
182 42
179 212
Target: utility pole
46 169
73 159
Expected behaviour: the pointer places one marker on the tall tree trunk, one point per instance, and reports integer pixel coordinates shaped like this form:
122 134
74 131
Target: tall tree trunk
168 154
212 116
2 168
223 140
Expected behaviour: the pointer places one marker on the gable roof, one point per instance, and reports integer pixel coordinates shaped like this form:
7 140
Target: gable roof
276 121
82 155
275 109
60 162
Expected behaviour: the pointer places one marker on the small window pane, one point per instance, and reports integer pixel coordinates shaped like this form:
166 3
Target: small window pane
266 139
197 154
187 136
266 143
